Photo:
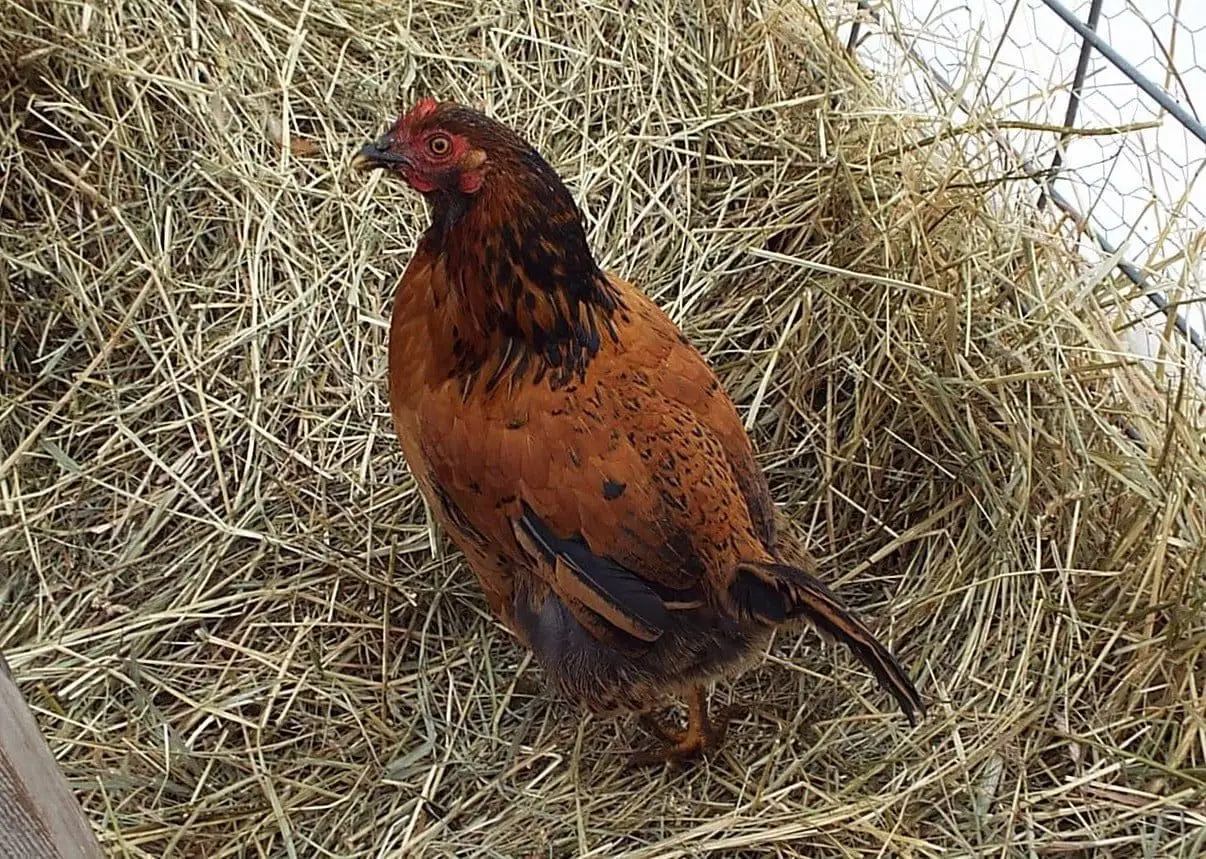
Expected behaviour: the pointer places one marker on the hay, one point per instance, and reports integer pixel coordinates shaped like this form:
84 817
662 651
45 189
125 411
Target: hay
220 589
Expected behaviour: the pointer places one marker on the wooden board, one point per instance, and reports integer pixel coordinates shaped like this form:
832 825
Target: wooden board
39 816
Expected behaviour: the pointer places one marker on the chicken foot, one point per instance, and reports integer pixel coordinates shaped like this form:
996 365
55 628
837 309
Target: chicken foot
702 733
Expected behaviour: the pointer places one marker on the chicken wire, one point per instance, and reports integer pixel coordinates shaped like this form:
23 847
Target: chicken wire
1119 78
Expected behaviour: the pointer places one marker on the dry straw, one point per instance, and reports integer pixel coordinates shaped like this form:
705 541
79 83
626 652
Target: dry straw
218 581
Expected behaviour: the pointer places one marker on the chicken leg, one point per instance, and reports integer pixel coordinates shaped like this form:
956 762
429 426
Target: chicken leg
702 734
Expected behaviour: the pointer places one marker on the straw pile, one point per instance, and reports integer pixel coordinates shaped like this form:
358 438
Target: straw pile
221 592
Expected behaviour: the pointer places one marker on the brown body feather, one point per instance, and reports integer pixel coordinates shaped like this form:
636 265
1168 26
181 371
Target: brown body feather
581 452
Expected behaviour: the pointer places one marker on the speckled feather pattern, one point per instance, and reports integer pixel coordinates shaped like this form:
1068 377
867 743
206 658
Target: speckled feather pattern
582 454
645 458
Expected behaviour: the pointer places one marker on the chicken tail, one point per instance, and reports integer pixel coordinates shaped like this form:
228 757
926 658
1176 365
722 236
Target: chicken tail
776 593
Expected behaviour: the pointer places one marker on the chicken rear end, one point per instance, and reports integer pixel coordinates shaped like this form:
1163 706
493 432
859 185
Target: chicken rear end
577 448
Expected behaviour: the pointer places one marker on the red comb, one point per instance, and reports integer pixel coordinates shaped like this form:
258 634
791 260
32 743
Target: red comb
423 108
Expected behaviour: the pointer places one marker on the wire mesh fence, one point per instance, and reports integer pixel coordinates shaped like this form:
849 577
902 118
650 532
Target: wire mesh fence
1095 101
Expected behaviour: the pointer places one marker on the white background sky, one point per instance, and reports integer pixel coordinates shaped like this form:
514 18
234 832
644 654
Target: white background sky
1145 190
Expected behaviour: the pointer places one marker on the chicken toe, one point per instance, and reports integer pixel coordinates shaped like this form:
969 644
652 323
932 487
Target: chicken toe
703 733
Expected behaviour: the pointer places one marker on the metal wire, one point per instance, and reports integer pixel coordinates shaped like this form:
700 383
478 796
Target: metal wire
856 27
1043 176
1157 93
1078 81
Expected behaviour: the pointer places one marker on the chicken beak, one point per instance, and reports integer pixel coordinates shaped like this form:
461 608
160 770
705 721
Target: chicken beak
363 159
373 156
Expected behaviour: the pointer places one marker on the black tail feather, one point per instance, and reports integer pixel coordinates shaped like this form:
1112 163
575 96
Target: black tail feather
775 593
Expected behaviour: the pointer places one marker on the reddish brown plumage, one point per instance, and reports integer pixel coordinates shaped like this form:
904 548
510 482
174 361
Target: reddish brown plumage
577 449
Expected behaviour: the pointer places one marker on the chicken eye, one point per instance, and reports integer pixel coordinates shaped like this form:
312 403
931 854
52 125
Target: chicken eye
439 145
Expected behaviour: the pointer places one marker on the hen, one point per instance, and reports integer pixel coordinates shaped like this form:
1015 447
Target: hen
578 449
